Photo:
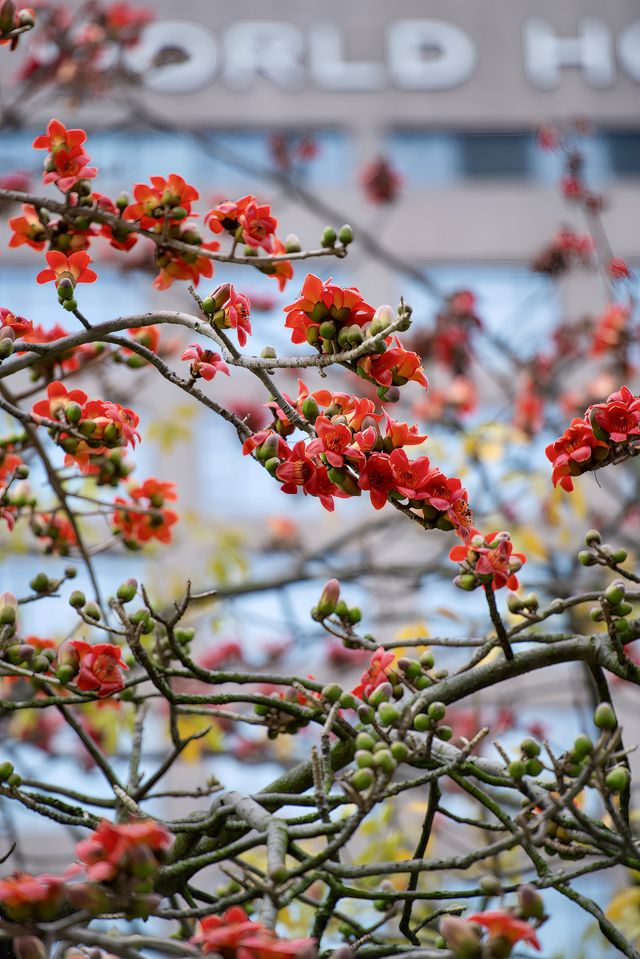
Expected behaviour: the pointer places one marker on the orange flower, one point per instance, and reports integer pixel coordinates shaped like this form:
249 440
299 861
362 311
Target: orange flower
320 301
74 268
28 229
505 926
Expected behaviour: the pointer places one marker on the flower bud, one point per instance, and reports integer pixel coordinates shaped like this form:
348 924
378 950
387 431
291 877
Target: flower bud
436 711
40 583
362 779
345 235
592 537
127 590
460 936
6 348
530 902
605 717
65 288
517 769
332 692
28 947
586 558
6 770
614 594
8 609
617 779
329 237
292 243
329 598
381 694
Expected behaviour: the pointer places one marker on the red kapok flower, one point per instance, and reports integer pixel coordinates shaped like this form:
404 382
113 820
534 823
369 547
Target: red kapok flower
28 229
618 419
503 925
490 559
155 202
375 674
320 301
380 181
58 137
139 527
376 476
58 399
18 324
571 452
258 226
26 897
204 363
618 269
335 442
74 268
100 667
111 848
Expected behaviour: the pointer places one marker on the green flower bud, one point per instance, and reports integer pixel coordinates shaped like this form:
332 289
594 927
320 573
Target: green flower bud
345 235
617 779
14 781
329 237
490 885
348 701
362 779
77 599
6 770
40 583
385 761
592 537
586 558
421 723
534 767
91 611
365 741
329 599
127 590
184 635
530 748
614 594
582 747
389 714
363 758
517 769
332 692
399 751
427 660
436 711
605 717
444 733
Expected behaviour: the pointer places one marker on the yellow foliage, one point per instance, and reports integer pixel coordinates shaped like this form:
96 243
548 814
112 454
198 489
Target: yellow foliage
624 910
172 429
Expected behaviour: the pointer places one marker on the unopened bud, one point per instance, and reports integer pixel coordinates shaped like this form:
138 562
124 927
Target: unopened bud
329 598
530 902
28 947
460 936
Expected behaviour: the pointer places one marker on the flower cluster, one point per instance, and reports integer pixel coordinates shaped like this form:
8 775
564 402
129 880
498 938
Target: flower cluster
66 163
120 863
333 318
248 221
357 449
235 936
229 310
160 209
565 250
84 427
487 560
144 518
604 434
611 329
